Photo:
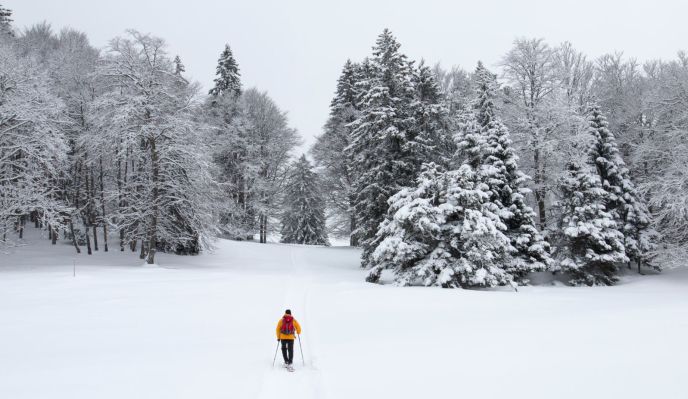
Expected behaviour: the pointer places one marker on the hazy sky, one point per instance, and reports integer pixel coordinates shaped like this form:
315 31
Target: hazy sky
295 49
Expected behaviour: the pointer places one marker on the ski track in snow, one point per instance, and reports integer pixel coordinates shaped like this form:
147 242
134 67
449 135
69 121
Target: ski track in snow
305 381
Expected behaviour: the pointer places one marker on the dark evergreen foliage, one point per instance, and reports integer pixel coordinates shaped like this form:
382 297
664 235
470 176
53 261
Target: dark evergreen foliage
228 78
303 220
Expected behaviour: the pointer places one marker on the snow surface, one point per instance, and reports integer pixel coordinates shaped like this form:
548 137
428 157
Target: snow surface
203 327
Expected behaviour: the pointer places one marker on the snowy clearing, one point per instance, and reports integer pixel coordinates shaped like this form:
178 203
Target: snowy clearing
203 327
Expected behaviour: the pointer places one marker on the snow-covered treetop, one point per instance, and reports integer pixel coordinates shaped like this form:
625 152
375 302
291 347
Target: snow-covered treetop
228 77
6 21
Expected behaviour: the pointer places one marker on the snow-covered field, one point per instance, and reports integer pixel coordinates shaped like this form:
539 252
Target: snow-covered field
203 327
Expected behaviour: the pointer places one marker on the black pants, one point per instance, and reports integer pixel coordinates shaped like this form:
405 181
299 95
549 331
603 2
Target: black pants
288 350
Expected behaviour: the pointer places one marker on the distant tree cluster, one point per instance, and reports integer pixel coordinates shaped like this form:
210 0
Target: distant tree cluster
119 144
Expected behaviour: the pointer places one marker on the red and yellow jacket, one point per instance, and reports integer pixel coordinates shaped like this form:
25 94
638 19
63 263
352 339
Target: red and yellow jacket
297 327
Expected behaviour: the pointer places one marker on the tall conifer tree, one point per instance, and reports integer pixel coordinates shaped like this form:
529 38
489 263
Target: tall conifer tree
386 147
329 150
624 201
6 21
179 67
303 221
500 171
591 243
441 233
228 78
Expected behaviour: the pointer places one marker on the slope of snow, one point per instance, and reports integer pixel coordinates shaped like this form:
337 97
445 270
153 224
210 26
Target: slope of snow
203 327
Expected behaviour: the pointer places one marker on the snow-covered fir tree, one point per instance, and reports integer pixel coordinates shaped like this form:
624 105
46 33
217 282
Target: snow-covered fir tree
624 201
303 218
590 244
386 148
222 112
230 156
496 241
500 172
228 78
441 233
431 115
179 67
6 21
329 151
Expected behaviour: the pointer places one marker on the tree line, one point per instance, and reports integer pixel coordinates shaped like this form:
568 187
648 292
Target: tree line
458 179
120 144
443 177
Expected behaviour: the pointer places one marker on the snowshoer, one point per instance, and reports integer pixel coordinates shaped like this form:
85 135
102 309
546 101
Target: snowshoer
287 328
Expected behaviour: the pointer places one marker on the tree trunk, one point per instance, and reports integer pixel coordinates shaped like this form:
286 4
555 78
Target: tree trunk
152 234
21 227
142 254
53 234
88 238
95 237
353 241
76 244
120 183
539 191
262 222
105 238
102 206
85 215
91 190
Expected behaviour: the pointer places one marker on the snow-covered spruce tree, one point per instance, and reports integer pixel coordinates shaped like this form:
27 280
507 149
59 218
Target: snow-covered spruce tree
591 245
386 149
303 218
329 152
179 67
441 233
228 78
500 172
431 115
6 21
624 201
230 155
164 190
221 111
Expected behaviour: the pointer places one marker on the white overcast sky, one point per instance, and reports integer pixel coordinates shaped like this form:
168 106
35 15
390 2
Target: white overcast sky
295 49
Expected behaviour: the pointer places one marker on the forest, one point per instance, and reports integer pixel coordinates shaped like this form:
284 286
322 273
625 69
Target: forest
550 161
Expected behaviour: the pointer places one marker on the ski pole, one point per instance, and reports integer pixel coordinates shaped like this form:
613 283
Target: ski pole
275 358
301 348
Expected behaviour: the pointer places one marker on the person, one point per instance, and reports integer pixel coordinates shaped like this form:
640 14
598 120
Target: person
287 326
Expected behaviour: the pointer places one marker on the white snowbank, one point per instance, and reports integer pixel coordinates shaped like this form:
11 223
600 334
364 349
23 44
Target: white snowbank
203 327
